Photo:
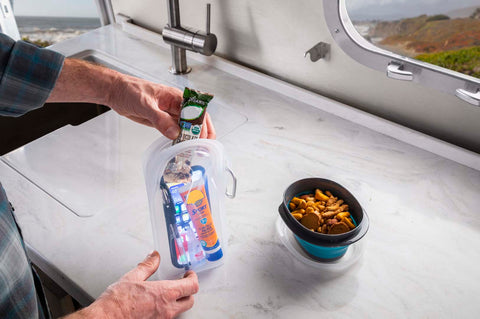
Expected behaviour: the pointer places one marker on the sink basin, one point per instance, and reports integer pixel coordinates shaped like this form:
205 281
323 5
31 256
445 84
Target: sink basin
110 62
224 117
19 131
96 166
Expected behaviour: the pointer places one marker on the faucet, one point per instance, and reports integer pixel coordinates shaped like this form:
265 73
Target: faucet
183 38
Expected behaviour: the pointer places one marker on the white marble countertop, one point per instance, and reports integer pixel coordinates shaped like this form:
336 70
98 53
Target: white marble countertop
420 256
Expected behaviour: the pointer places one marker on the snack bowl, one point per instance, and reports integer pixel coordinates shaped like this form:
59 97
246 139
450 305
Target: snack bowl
323 247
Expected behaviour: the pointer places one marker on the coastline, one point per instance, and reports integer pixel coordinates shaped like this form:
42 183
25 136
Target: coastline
54 29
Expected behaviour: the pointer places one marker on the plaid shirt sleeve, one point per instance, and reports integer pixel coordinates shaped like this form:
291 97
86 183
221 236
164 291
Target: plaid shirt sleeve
27 75
21 295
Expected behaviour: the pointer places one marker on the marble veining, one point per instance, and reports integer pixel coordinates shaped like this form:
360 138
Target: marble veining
420 256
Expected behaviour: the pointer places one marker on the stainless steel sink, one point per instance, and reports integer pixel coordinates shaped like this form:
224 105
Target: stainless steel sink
110 62
98 153
16 132
225 119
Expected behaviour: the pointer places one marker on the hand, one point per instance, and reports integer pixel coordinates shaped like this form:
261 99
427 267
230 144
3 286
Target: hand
208 130
145 102
152 104
133 297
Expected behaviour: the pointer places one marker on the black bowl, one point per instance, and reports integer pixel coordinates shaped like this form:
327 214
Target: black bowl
319 239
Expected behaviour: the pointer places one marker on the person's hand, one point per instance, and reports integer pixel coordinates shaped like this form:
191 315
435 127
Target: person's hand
152 104
208 130
133 297
145 102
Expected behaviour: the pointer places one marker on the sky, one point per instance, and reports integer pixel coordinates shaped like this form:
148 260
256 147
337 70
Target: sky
358 9
395 9
55 8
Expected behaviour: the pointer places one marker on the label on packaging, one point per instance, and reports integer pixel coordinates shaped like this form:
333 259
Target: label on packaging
192 113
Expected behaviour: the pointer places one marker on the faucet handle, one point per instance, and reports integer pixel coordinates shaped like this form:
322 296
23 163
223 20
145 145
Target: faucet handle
206 43
208 18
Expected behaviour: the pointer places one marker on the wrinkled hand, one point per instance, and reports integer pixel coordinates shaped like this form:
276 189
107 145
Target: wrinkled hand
152 104
133 297
145 102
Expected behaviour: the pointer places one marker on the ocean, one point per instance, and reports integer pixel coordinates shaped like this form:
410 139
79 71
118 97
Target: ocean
54 29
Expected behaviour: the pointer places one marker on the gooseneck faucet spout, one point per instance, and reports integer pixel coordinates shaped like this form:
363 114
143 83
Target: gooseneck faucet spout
183 38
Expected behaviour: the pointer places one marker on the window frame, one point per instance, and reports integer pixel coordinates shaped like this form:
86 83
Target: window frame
105 12
394 65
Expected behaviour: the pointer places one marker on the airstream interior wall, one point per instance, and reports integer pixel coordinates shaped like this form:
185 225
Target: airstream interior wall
272 37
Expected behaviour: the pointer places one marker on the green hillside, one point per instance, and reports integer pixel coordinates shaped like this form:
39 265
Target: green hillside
450 43
466 61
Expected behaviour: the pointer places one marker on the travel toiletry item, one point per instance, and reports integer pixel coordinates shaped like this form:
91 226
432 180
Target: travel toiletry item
195 196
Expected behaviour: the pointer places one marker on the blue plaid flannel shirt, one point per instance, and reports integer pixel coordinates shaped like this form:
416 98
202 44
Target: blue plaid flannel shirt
27 76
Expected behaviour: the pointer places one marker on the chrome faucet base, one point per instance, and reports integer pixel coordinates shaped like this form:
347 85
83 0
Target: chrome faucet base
172 70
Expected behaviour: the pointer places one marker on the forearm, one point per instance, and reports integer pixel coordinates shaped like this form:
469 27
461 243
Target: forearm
80 81
86 313
145 102
100 309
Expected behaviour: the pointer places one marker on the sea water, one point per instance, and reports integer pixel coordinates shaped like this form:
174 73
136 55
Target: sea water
54 29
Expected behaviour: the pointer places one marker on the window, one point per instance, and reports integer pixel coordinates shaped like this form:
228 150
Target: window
50 21
432 42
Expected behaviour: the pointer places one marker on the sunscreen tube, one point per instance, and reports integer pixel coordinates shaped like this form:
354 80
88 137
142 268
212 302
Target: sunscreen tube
198 208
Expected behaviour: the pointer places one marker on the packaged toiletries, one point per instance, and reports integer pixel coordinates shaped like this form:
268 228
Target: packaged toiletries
188 214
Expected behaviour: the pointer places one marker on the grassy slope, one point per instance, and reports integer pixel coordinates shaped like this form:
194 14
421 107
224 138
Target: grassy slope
466 61
452 43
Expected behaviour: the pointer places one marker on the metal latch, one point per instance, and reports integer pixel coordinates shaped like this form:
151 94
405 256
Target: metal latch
395 71
470 97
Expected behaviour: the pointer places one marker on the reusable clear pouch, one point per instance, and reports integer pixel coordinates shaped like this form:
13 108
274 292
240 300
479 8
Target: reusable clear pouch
187 216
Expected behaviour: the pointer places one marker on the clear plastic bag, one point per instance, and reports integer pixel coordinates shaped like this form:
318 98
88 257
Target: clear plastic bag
186 187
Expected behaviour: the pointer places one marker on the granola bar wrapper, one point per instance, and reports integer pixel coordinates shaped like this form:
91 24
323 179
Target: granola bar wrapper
192 113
